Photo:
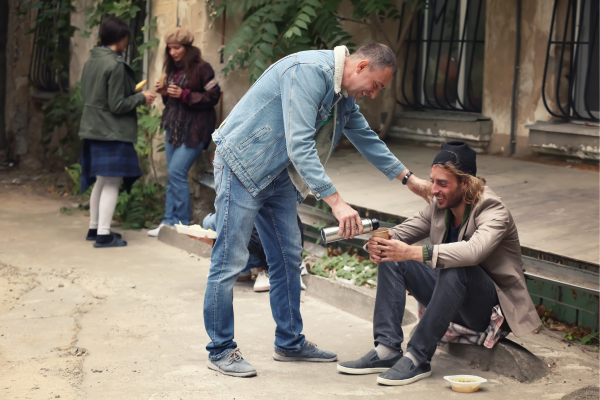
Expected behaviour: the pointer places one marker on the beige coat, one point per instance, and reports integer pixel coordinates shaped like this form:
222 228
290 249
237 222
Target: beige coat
489 239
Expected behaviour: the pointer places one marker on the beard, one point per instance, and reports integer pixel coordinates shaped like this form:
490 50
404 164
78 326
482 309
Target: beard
452 200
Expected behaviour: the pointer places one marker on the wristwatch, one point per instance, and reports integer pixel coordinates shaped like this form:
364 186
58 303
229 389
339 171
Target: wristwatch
405 179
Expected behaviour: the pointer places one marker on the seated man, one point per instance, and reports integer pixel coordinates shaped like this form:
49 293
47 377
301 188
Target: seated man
473 265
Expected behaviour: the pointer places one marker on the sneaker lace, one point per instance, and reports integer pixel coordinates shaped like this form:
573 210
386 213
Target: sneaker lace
309 343
235 355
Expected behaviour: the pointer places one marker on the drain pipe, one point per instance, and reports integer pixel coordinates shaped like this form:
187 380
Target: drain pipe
513 108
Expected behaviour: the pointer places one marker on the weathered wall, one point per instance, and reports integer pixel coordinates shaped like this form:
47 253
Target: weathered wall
80 46
499 70
23 115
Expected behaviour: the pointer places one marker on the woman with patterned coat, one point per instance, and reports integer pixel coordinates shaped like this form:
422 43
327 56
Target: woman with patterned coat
190 92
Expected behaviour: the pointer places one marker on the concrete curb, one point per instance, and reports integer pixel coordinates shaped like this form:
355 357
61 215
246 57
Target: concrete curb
169 235
505 358
356 300
353 299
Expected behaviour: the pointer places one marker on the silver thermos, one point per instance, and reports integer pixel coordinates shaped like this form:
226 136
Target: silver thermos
330 234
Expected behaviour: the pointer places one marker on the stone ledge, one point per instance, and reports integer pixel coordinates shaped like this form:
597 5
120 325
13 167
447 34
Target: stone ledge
433 128
505 358
566 139
169 235
355 300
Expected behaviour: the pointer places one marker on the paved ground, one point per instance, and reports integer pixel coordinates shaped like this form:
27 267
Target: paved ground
555 207
84 323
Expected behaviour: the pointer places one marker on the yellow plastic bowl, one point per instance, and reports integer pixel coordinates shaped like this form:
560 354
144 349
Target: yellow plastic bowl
465 383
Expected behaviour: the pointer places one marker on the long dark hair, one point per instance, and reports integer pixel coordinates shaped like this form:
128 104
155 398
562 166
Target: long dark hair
192 56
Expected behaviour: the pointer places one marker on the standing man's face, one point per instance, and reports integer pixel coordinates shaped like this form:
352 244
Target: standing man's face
445 188
363 81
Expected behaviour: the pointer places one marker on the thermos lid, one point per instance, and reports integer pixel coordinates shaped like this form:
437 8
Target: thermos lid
375 223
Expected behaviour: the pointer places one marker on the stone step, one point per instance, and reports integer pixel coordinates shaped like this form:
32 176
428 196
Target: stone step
505 358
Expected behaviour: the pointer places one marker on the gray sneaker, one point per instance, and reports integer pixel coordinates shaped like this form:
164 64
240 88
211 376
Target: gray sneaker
232 364
368 364
308 353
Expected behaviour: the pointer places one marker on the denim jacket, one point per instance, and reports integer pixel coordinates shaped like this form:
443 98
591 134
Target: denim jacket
276 121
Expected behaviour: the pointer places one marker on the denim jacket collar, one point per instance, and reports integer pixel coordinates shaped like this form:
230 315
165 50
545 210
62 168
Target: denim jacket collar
340 53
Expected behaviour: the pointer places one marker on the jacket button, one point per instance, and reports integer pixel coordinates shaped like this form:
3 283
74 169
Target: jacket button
318 194
269 176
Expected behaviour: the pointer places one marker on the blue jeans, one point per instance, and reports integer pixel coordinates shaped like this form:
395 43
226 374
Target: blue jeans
179 161
273 210
210 222
464 295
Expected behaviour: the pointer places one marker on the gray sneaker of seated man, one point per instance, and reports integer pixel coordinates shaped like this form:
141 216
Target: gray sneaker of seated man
232 364
404 372
309 352
368 364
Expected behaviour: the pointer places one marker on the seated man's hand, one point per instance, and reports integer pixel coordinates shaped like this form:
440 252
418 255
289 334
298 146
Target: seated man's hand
381 250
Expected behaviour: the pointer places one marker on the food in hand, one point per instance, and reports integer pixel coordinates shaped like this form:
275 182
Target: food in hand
162 81
140 85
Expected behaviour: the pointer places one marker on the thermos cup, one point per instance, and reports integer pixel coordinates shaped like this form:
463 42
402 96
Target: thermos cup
330 234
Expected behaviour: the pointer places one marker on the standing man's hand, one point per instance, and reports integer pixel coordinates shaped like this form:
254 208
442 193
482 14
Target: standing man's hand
348 217
416 185
150 97
419 186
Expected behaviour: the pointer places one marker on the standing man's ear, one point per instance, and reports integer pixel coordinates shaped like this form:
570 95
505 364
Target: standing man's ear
361 66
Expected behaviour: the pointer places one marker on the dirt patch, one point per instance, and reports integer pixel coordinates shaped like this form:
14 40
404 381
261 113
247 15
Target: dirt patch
30 365
586 393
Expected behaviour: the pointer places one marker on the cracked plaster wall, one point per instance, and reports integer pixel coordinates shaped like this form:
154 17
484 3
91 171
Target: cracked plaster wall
499 70
22 113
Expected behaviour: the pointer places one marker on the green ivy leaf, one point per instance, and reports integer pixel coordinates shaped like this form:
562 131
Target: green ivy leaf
301 24
309 10
265 48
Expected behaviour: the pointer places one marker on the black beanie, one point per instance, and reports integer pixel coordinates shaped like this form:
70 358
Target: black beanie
459 154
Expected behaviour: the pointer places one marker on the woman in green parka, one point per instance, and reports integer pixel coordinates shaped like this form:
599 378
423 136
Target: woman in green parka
109 128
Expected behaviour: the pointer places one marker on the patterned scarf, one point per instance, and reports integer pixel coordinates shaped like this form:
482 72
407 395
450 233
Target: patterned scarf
173 118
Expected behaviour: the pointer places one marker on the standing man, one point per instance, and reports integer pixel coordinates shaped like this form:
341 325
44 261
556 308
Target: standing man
271 152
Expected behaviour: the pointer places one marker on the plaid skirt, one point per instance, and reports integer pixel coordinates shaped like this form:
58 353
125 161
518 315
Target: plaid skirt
108 158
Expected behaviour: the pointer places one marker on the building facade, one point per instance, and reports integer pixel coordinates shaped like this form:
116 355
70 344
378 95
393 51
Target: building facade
509 77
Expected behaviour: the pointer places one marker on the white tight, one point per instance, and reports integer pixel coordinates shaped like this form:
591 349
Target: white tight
103 202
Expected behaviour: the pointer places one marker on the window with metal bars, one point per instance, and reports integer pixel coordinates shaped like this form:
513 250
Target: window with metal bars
136 24
571 88
443 61
44 74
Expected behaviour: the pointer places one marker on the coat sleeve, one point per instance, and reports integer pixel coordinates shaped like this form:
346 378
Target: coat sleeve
415 228
492 224
303 87
367 142
118 103
199 98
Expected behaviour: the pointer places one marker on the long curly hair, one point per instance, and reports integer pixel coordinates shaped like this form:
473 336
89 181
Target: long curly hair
473 193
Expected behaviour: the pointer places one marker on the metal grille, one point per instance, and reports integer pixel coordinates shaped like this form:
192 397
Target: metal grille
443 62
137 38
573 88
41 75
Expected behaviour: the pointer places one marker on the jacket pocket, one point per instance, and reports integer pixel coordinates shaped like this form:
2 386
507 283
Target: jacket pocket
254 137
